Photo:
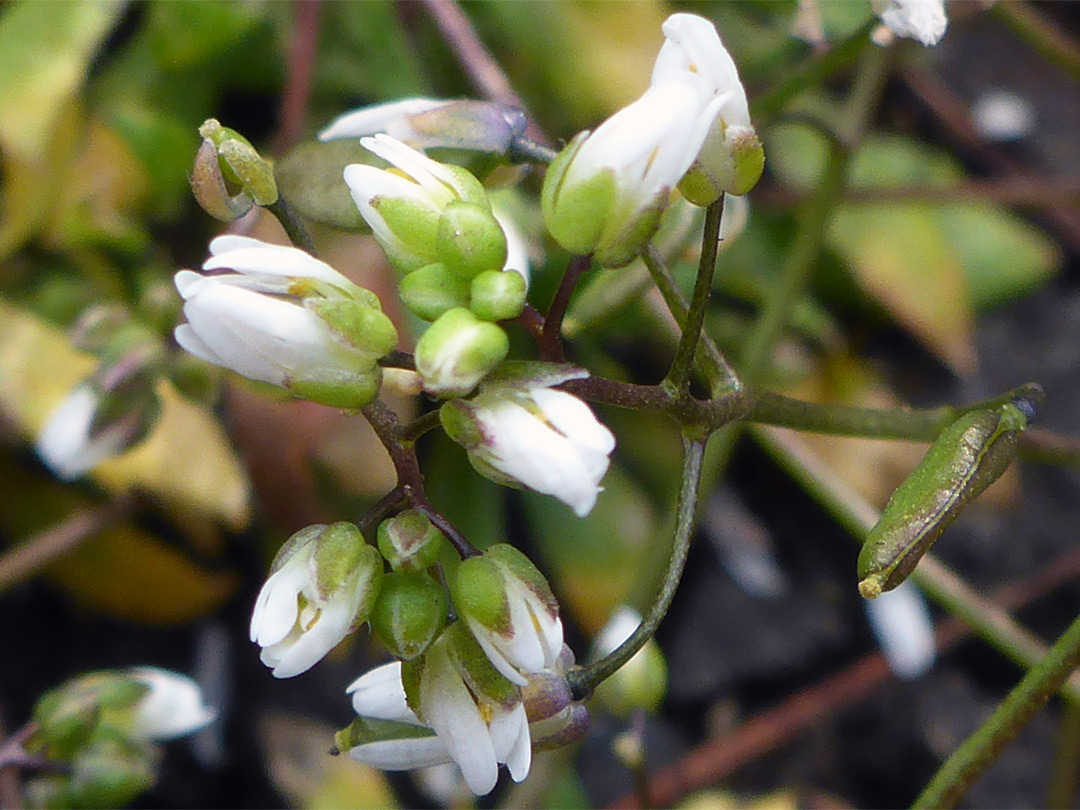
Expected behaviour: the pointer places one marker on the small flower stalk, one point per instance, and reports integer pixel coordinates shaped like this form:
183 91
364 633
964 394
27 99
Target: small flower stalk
511 611
323 584
282 316
521 432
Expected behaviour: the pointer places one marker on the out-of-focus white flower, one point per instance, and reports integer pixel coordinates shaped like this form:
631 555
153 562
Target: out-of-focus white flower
923 20
641 683
323 584
284 317
605 191
478 723
67 444
521 432
731 158
517 245
391 118
1001 115
511 611
172 707
415 211
902 625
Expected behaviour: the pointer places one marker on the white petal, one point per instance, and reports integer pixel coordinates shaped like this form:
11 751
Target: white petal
274 265
901 622
923 20
574 419
433 177
188 340
519 758
380 694
402 755
276 608
517 246
622 624
172 708
64 442
185 279
448 707
379 118
315 642
494 652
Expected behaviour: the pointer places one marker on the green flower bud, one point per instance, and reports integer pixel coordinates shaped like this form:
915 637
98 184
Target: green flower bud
410 612
968 456
208 186
497 295
457 351
111 772
409 541
240 163
366 327
470 239
433 290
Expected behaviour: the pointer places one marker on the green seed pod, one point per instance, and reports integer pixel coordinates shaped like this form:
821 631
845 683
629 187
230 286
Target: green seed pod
968 456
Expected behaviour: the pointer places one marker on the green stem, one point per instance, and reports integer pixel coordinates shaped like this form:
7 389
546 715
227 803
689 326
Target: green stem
716 370
1065 769
853 512
984 746
419 426
294 228
583 680
678 378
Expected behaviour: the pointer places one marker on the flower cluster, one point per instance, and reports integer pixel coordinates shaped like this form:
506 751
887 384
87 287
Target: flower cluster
479 676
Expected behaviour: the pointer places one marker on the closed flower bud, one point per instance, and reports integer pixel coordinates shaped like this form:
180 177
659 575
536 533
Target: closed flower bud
968 456
731 158
511 611
641 683
423 123
111 772
285 318
323 585
469 239
458 351
409 540
240 163
521 432
404 205
433 290
605 191
409 613
497 295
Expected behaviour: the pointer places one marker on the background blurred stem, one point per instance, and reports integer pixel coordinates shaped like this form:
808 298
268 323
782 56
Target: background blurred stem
852 511
30 556
1065 768
983 747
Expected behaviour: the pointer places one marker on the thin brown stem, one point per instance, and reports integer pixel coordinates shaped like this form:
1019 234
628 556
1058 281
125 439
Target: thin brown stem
26 559
551 347
292 111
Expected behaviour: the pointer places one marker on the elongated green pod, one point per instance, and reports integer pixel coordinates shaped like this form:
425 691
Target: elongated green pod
967 457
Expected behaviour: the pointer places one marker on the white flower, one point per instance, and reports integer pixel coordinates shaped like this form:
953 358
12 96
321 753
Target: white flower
531 435
273 320
511 611
392 119
305 609
605 191
902 625
66 443
730 159
923 20
470 729
404 207
173 706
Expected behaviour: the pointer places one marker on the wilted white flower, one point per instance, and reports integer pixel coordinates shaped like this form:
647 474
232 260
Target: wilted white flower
511 611
923 20
477 723
284 317
323 584
731 159
522 432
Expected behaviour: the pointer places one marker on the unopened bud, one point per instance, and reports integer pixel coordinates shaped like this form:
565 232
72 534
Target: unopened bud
433 290
408 540
457 351
641 683
497 295
240 163
410 612
470 240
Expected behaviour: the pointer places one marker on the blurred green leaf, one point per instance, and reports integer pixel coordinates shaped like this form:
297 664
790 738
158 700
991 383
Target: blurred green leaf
45 50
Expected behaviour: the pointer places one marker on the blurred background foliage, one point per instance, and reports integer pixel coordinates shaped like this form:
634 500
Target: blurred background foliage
99 113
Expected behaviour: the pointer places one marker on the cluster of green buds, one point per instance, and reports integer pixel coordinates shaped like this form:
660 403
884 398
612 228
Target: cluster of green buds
116 406
435 223
98 733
